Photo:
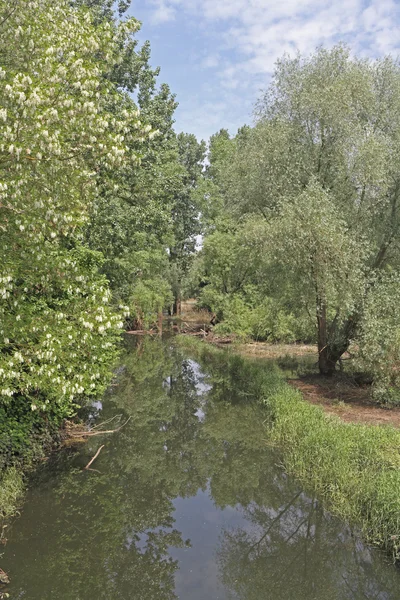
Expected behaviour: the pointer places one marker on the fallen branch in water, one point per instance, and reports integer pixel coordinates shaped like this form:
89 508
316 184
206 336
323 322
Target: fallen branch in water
94 457
4 578
100 432
105 422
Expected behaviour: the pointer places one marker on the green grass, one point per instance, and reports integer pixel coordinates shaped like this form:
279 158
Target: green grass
353 468
11 491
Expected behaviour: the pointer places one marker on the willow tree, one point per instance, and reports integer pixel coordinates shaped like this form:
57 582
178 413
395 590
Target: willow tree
322 166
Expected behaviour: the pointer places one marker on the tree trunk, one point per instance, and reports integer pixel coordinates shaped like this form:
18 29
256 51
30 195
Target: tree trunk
331 350
326 358
160 324
327 362
325 366
177 310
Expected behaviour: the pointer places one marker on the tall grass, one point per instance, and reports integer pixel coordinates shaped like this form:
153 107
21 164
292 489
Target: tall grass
353 468
11 491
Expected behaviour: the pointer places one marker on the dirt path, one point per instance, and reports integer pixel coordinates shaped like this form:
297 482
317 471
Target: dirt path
351 404
338 395
265 350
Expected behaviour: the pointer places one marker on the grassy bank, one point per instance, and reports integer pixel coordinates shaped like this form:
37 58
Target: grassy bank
353 468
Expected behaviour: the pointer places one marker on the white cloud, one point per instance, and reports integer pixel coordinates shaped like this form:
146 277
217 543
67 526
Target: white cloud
163 11
244 38
262 30
211 61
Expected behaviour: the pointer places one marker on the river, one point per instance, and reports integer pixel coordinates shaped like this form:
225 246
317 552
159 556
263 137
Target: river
188 500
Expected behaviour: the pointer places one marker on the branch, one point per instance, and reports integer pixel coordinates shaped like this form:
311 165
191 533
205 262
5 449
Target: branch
94 457
273 522
93 433
380 258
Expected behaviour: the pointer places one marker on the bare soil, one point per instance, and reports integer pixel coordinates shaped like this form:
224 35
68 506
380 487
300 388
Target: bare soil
339 395
349 401
265 350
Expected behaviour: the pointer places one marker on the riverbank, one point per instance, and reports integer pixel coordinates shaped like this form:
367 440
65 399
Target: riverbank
344 395
354 468
20 454
18 461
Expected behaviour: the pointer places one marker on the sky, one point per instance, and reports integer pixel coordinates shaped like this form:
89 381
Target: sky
218 55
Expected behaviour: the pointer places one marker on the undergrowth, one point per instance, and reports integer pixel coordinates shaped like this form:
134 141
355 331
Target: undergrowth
25 437
354 468
11 491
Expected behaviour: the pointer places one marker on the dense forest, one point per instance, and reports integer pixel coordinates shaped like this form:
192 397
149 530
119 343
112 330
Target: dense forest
103 204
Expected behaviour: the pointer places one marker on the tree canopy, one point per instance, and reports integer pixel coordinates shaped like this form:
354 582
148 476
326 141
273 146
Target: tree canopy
91 172
317 179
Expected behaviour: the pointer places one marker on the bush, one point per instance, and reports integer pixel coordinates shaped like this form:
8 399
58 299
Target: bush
148 300
11 490
262 319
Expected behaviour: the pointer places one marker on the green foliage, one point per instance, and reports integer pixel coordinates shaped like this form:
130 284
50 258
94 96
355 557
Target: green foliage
380 339
354 467
144 219
185 213
23 433
58 330
131 220
148 300
236 283
315 183
11 490
66 128
272 321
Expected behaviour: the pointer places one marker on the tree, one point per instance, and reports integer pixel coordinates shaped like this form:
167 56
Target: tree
185 212
321 166
131 218
58 328
211 189
143 211
232 275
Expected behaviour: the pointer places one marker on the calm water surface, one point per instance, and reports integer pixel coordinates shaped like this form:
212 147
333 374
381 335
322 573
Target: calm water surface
187 501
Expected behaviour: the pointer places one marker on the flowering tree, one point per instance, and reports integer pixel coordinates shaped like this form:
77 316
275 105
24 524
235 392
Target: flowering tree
57 329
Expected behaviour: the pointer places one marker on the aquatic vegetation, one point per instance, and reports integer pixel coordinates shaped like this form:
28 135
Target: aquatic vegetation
355 468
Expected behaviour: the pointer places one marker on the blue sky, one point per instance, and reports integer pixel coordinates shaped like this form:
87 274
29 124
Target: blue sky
218 54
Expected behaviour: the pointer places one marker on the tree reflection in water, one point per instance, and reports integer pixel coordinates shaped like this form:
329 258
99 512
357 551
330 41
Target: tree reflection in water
111 533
